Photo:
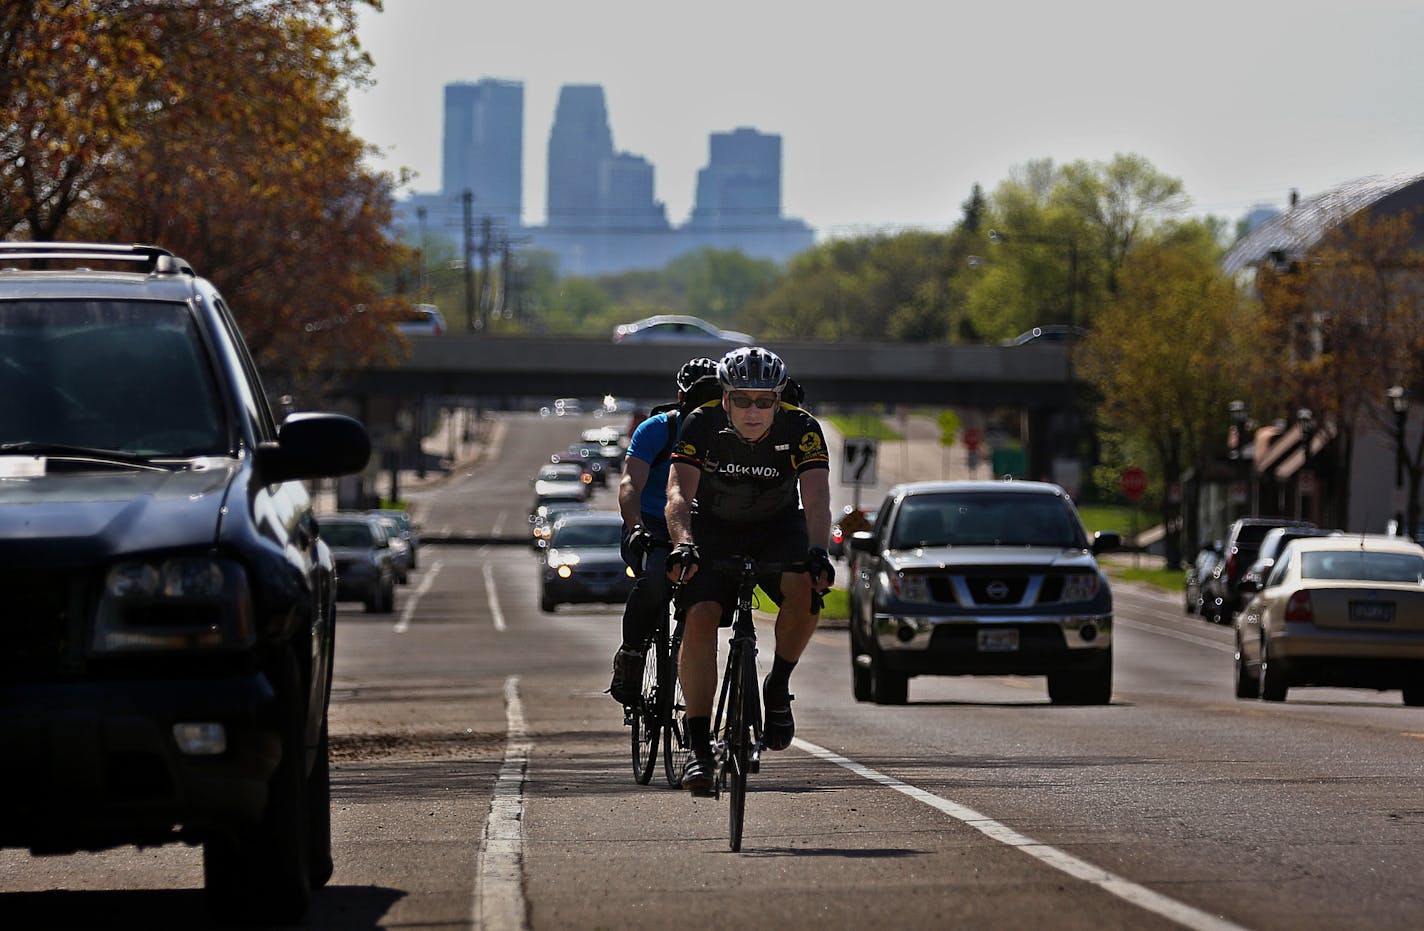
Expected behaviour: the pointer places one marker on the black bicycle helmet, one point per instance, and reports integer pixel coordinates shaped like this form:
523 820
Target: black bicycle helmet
751 368
694 369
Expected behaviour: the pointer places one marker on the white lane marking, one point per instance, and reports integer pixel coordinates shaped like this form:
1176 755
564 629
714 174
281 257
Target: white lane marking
498 524
1177 635
499 878
408 611
495 612
1145 898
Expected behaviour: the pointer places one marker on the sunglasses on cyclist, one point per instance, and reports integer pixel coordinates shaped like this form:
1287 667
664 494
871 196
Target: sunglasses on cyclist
743 402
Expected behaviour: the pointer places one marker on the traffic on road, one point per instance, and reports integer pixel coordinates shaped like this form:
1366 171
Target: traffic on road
479 775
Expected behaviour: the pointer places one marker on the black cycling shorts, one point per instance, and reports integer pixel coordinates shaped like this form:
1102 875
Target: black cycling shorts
778 539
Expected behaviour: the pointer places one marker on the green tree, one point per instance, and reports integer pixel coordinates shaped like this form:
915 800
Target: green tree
1060 237
1168 352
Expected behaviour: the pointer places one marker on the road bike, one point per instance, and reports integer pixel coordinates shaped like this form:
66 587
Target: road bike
661 713
737 726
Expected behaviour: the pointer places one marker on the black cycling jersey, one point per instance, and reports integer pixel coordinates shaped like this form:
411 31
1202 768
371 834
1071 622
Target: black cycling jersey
744 482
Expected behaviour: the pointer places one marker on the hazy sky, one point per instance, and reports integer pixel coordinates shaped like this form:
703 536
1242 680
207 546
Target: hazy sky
890 111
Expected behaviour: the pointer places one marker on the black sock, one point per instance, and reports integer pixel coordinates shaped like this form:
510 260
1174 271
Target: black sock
778 681
699 735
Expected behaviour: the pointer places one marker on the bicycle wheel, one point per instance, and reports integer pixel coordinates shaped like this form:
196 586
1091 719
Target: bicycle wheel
737 737
645 720
675 747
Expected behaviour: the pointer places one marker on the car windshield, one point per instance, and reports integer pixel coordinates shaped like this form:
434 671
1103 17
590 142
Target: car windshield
985 519
112 375
347 533
587 534
1362 566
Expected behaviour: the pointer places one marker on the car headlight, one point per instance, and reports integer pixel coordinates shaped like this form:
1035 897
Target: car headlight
907 587
1081 586
177 603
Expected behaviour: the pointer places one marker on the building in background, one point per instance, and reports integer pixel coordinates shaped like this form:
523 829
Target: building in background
483 146
603 216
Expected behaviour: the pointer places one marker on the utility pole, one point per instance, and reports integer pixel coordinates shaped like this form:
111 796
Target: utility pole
486 224
420 281
469 201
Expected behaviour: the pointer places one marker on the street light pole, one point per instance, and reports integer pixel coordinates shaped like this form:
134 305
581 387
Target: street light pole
1306 418
1239 417
1400 404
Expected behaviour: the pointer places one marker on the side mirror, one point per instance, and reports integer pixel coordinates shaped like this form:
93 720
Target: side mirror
311 445
862 541
1105 541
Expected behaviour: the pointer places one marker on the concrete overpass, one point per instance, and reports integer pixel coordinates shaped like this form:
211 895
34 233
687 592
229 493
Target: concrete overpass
1032 377
501 372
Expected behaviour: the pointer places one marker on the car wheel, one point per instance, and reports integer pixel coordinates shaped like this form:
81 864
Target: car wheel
1414 694
859 673
319 814
547 604
1091 686
388 598
887 687
1247 683
263 872
1273 677
373 601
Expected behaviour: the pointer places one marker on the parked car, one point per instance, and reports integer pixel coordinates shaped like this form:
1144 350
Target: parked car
401 553
366 564
560 481
168 633
410 531
980 578
583 562
1345 611
1208 557
1220 598
1269 550
423 320
677 328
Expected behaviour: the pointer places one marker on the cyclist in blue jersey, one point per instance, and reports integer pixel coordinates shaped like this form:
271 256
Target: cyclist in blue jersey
642 499
758 470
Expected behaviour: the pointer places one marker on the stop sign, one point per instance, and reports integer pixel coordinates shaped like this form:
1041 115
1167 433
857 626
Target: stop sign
1133 483
972 438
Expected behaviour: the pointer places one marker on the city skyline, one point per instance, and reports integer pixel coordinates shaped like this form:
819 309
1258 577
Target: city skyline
1243 102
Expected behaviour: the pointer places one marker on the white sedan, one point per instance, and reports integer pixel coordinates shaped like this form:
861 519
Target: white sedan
1344 611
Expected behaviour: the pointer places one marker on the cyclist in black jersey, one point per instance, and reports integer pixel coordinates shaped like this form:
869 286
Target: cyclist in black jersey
746 460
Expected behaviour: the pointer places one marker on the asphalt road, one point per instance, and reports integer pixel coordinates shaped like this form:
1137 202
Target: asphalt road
481 779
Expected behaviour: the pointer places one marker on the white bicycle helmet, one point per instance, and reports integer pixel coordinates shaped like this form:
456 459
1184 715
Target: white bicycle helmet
751 368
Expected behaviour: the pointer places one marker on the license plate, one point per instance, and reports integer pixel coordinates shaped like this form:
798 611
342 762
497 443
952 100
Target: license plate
1372 612
998 641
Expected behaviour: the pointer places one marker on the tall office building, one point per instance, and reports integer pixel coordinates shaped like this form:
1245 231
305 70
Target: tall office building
579 144
484 146
741 185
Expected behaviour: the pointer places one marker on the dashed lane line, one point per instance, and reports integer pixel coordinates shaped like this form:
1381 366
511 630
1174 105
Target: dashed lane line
408 611
495 613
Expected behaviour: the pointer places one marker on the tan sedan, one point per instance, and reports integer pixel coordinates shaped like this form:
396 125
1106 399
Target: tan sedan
1343 611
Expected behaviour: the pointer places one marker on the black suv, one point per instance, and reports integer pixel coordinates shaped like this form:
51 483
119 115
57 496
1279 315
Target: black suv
980 579
1221 595
166 641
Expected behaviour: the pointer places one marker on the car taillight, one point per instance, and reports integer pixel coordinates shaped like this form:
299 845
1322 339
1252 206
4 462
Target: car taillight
1231 565
837 535
1299 608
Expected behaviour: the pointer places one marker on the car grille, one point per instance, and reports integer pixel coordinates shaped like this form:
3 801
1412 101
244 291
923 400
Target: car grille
43 616
987 588
598 576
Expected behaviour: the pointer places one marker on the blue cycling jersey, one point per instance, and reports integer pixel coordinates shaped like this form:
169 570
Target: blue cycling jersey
650 439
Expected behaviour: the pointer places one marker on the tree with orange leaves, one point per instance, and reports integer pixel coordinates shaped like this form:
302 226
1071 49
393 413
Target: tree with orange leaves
218 130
